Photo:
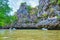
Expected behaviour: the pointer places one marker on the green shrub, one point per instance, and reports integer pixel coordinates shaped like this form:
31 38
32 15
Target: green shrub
58 17
45 15
58 2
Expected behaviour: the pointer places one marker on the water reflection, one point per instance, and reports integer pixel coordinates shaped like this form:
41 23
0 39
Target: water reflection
2 31
44 29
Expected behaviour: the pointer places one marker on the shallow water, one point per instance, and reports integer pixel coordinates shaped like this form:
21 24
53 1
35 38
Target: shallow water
29 35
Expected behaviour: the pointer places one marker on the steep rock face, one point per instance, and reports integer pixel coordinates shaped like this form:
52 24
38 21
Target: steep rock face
42 6
22 11
48 21
24 18
48 6
45 7
52 10
22 14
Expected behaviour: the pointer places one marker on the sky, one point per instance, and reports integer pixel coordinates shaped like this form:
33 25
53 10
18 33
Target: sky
15 4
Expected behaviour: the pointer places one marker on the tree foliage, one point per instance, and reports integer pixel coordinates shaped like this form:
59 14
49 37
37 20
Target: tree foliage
5 19
58 1
29 8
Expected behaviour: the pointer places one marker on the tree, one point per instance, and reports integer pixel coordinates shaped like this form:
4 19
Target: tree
29 8
4 10
59 2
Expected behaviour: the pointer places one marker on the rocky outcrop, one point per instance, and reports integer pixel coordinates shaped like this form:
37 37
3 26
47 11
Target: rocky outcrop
52 10
45 7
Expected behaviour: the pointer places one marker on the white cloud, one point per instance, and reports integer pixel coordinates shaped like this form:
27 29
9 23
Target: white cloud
33 3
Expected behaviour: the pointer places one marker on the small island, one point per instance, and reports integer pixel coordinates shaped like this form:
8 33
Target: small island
44 15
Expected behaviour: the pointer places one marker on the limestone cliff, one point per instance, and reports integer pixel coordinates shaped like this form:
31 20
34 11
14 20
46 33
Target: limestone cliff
48 12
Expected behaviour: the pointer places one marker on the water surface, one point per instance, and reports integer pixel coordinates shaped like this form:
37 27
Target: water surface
29 35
